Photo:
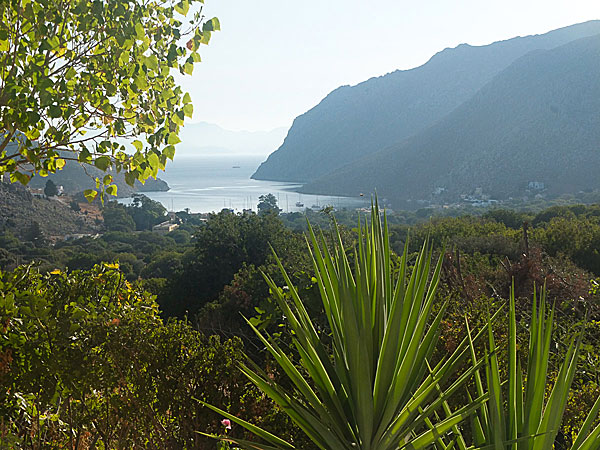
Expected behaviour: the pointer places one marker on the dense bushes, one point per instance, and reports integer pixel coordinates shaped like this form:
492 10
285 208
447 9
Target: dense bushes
86 360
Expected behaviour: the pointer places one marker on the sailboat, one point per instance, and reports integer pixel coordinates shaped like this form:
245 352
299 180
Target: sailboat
316 205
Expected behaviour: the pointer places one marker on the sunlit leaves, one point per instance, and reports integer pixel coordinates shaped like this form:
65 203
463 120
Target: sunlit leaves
138 145
90 194
169 152
182 7
211 25
92 72
111 190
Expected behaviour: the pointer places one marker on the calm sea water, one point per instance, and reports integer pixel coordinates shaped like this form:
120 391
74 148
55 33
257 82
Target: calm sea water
211 183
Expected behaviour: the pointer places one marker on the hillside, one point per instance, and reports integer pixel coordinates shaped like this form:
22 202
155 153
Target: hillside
536 121
19 210
352 122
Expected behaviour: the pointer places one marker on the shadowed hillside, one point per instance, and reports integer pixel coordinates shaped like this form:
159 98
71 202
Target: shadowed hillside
538 120
352 122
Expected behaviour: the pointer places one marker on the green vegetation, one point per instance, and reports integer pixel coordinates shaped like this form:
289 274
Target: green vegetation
50 190
530 419
367 385
87 362
208 275
267 204
136 336
101 67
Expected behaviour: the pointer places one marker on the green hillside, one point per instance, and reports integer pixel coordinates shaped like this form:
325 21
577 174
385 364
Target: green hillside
536 121
355 121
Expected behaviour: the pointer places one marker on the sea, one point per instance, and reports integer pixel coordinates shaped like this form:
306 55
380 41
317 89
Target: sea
211 183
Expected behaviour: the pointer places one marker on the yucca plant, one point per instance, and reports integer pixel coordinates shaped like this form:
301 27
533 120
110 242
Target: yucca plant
524 417
370 387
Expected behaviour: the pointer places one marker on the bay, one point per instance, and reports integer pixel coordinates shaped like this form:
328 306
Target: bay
209 183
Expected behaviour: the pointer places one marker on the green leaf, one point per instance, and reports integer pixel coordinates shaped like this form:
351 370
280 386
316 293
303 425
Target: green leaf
186 98
188 110
177 118
139 31
182 7
173 139
85 156
90 194
151 62
55 111
111 190
130 178
19 177
138 145
153 160
70 73
169 152
102 163
212 25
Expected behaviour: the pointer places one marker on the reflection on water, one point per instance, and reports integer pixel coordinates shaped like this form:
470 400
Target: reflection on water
211 183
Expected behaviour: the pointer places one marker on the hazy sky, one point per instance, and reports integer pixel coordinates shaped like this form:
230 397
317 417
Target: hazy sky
275 59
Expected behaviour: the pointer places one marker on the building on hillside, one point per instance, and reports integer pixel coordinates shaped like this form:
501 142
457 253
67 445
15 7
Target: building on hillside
165 227
75 236
37 192
536 185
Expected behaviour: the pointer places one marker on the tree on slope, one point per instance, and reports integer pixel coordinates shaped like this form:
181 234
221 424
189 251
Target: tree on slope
79 77
268 204
50 190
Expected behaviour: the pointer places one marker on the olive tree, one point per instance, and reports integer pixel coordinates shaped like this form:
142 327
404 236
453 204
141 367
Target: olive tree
79 78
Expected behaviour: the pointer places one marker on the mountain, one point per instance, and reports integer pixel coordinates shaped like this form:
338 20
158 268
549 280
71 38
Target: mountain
352 122
536 121
210 139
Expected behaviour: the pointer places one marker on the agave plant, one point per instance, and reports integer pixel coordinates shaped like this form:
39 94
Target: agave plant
371 387
525 418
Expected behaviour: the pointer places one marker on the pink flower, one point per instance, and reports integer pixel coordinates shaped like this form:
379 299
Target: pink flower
226 423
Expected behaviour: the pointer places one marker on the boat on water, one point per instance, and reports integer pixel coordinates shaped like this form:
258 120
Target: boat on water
300 204
235 167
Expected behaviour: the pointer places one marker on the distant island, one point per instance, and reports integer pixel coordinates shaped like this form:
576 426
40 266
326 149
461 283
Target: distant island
73 178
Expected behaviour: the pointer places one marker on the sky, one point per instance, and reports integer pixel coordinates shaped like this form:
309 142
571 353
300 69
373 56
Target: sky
275 59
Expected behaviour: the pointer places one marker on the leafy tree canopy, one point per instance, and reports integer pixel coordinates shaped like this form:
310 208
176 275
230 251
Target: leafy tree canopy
50 190
78 77
268 204
116 218
146 212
